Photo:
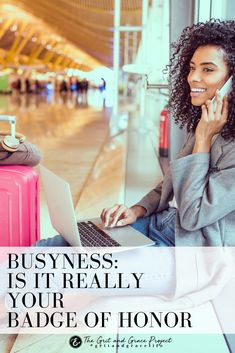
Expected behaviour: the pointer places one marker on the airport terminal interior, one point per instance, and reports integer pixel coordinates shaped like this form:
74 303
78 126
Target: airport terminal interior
85 80
81 139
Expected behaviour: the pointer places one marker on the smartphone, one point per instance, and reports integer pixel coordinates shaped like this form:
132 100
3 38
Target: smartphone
223 90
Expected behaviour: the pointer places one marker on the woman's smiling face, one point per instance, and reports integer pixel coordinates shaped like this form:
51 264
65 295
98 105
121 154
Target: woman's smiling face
208 71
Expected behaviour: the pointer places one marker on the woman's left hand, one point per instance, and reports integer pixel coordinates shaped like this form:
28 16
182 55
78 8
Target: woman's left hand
211 123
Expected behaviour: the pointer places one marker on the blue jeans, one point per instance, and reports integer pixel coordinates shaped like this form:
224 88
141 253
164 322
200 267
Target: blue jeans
160 227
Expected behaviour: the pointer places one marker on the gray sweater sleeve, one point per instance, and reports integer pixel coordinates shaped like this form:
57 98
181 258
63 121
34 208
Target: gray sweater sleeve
151 201
203 197
27 154
163 191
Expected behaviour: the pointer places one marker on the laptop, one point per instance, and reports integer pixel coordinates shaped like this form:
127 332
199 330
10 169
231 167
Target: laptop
86 233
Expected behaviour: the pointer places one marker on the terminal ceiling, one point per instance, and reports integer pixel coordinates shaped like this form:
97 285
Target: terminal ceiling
59 34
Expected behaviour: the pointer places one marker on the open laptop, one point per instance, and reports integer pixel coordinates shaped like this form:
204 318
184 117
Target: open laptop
87 233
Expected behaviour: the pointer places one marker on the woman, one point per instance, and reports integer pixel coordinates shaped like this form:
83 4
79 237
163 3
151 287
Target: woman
202 178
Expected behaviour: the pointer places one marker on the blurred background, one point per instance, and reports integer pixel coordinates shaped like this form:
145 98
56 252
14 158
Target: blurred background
86 82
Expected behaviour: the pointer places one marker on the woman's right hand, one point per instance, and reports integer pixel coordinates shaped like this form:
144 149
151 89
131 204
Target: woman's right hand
121 215
211 123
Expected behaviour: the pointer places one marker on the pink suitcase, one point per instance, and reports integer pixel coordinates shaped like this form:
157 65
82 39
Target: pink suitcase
19 206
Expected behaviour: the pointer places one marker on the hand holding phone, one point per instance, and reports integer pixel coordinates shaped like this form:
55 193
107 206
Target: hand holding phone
223 91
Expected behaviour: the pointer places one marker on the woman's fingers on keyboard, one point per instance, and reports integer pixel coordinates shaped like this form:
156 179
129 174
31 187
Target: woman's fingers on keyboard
120 213
107 214
125 219
102 215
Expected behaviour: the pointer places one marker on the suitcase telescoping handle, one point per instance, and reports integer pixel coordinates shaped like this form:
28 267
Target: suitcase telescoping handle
12 120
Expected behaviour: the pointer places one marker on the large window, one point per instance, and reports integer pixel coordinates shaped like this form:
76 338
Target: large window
222 9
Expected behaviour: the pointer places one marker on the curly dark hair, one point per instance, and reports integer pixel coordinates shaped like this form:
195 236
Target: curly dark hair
215 32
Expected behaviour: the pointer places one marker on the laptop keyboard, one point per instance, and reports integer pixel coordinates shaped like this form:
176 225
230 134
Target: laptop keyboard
91 235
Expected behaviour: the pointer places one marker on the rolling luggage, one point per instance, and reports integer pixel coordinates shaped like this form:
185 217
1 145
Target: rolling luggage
19 206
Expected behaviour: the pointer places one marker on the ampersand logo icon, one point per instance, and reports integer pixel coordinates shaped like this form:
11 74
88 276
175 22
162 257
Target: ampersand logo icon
75 341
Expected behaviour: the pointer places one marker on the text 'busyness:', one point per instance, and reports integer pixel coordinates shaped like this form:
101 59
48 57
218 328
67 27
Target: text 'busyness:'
54 261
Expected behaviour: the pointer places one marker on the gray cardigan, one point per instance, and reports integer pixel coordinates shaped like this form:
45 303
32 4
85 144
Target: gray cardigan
204 188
